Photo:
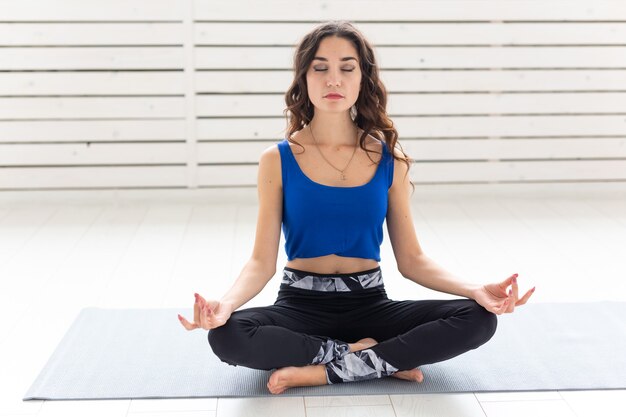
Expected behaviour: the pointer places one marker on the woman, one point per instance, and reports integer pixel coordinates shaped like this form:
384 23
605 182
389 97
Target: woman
331 186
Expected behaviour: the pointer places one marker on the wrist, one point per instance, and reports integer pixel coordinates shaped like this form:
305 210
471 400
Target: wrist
471 290
226 304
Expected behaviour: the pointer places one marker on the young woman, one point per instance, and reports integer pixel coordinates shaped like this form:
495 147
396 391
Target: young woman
330 186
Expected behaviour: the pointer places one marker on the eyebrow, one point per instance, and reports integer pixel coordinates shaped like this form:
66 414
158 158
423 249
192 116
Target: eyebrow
345 58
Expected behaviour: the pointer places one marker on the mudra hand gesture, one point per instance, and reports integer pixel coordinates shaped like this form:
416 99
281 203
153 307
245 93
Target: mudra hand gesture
207 314
494 297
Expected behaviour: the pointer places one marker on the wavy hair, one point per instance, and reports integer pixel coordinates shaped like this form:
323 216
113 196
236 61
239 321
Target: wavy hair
369 113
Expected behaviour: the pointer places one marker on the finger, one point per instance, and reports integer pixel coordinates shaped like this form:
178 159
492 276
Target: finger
495 309
201 304
502 308
505 284
511 302
526 296
201 298
196 309
211 317
515 287
207 317
203 317
186 324
511 306
506 305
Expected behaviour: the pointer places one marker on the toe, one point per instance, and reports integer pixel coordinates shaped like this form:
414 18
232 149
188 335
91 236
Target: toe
420 376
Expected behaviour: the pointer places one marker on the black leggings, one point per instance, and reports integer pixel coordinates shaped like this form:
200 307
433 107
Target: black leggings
315 316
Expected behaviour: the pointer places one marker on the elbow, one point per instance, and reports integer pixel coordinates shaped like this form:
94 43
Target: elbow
404 270
262 268
409 265
269 272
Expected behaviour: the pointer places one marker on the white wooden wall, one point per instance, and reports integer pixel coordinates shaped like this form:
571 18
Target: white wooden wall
187 93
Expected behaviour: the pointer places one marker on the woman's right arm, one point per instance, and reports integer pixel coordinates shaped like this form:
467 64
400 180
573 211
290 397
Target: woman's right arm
209 314
261 266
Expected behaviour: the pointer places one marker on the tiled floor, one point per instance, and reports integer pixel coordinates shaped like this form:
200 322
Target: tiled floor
61 251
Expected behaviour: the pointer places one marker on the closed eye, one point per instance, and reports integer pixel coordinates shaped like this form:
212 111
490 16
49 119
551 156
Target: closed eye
321 70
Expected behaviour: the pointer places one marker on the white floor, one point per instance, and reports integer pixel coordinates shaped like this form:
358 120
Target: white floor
61 251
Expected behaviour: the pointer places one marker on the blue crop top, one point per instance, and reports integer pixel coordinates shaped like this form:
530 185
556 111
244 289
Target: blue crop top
321 220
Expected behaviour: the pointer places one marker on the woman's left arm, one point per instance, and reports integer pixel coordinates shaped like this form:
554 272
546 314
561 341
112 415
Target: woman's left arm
413 264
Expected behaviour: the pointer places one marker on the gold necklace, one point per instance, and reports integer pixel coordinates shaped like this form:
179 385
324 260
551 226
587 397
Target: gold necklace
343 175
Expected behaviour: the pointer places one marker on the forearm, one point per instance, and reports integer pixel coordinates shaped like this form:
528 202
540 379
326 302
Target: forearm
426 272
252 279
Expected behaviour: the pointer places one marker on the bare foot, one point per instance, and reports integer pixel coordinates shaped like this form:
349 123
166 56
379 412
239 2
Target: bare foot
368 342
296 376
410 375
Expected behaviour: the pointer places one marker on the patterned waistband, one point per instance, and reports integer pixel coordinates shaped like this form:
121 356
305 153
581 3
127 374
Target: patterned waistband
355 281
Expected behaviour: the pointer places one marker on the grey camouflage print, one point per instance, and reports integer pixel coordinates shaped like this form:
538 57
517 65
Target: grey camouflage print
331 350
330 283
357 366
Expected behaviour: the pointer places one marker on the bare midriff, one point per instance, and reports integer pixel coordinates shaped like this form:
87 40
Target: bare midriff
332 264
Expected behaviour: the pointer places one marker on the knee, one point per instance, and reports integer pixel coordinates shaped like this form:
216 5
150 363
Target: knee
218 340
225 340
484 324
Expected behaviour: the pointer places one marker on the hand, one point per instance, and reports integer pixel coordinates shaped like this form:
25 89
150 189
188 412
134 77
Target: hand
207 314
494 297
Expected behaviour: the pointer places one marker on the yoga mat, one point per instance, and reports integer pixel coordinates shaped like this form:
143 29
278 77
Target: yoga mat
146 353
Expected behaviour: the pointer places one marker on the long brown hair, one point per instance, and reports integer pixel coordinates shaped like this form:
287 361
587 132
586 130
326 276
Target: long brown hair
369 113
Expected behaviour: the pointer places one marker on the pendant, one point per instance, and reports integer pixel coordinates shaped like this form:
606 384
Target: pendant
343 177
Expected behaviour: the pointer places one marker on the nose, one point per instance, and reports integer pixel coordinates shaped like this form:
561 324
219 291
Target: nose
334 78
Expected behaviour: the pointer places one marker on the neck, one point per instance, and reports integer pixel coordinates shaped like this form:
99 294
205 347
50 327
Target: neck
334 129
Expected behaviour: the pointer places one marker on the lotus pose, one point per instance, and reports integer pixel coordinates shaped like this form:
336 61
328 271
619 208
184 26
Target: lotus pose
329 185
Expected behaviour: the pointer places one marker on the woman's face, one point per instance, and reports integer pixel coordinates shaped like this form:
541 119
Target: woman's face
335 68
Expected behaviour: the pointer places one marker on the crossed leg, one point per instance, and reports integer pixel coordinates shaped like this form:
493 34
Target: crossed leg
312 375
411 333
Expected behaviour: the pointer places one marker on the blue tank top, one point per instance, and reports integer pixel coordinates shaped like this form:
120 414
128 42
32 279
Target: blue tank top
321 220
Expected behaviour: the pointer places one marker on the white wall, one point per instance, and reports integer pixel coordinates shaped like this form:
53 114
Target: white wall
183 93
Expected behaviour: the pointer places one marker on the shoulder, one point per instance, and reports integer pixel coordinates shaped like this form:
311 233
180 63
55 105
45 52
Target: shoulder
270 153
400 169
399 156
270 157
269 165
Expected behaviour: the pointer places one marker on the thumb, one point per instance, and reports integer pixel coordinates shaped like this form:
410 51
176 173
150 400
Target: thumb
509 280
186 324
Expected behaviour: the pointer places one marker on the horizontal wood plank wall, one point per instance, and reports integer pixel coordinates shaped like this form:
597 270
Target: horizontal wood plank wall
145 93
95 94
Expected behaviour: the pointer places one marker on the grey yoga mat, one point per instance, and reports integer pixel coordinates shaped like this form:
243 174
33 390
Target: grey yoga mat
132 353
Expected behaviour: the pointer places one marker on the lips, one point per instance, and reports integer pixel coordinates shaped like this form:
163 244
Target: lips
333 95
